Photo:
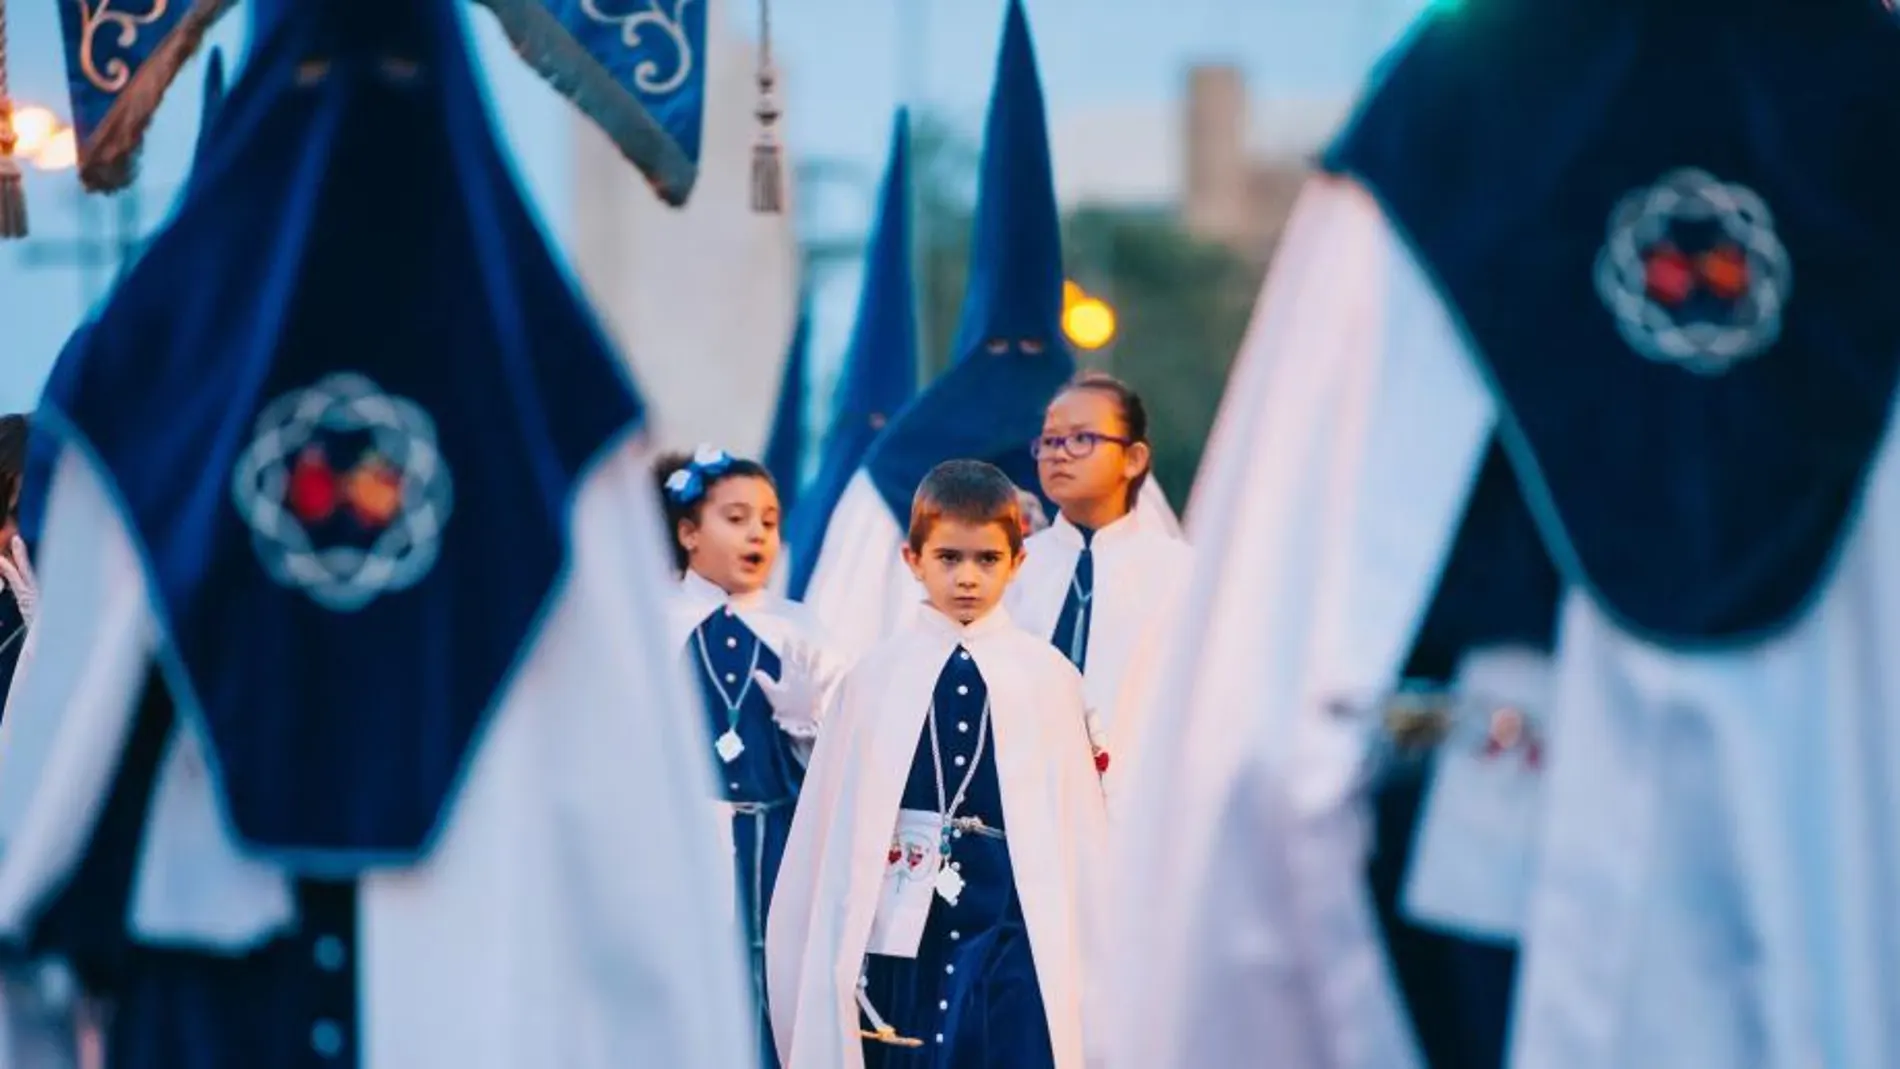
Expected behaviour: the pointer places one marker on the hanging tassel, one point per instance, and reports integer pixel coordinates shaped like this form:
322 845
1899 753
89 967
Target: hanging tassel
768 156
12 179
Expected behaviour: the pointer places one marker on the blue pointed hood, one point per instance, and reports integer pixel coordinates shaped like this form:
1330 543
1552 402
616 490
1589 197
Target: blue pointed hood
1015 282
345 380
214 94
880 367
1011 357
785 448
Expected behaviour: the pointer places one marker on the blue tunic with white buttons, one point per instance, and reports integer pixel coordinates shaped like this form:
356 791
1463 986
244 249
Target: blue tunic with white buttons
971 993
289 1004
762 782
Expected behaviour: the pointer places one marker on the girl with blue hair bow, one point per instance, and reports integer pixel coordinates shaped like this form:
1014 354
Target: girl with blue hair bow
764 670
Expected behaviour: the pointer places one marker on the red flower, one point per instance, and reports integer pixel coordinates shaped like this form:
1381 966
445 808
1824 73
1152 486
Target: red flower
893 856
375 492
1724 271
1101 761
1668 275
312 494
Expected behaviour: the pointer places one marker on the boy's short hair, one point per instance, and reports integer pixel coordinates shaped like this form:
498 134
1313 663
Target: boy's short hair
967 491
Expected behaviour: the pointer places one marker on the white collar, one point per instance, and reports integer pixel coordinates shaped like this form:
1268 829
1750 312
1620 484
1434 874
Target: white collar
1070 535
703 596
937 625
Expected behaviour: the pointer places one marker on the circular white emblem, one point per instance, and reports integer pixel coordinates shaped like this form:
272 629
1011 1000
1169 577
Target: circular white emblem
345 492
1694 273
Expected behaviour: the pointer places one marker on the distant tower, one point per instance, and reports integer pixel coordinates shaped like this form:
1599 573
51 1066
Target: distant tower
1218 167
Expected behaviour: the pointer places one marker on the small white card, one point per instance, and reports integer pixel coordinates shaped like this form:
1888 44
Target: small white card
949 884
1472 862
728 747
911 866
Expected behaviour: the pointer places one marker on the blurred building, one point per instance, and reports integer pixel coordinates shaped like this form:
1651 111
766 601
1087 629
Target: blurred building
1243 161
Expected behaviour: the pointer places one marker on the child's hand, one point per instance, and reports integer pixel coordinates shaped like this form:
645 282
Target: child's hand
798 694
16 574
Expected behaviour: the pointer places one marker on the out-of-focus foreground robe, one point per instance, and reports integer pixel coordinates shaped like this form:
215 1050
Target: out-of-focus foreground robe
1664 348
353 731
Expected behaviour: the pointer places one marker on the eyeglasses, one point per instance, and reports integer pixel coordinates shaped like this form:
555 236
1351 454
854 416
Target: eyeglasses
1078 446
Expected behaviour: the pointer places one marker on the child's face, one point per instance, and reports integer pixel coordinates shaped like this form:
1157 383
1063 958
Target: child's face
964 568
1090 422
736 540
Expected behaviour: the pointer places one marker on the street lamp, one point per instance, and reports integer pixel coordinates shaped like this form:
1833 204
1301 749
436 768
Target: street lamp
1088 322
44 141
51 145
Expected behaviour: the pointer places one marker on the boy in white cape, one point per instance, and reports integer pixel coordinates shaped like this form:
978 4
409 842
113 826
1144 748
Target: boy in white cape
912 925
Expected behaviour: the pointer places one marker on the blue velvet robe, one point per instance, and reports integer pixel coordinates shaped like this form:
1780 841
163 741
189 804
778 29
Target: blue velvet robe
761 783
1499 587
971 993
12 641
1072 627
290 1003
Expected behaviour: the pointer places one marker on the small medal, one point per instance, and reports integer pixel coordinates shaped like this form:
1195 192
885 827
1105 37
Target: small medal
949 884
729 747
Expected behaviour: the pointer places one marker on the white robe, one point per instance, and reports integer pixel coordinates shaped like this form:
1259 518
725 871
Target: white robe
771 616
1141 575
829 880
1717 868
563 917
862 590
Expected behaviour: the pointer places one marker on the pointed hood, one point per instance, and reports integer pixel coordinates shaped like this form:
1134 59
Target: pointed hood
1011 357
345 380
213 96
1015 283
785 448
880 368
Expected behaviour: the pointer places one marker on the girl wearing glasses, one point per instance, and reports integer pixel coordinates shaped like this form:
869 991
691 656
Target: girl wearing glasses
1103 581
762 669
19 594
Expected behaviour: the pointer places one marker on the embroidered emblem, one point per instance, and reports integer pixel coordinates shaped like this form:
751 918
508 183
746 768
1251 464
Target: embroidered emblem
649 75
345 492
1694 273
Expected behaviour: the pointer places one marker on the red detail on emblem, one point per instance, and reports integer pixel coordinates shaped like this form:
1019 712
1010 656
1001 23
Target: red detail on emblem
1668 275
374 490
312 492
1724 270
894 856
1101 761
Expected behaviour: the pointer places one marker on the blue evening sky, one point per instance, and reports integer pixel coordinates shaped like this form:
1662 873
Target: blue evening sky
849 62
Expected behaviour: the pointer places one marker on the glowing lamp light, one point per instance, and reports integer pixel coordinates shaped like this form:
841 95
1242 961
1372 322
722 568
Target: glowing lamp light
1089 323
34 127
59 153
1071 293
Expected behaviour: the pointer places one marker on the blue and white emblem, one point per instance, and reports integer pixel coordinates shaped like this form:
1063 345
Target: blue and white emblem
345 492
1694 273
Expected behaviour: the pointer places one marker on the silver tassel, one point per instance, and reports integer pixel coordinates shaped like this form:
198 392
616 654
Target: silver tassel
12 178
768 155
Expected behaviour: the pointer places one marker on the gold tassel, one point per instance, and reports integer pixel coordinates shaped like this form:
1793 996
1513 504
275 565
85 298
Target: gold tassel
768 156
12 179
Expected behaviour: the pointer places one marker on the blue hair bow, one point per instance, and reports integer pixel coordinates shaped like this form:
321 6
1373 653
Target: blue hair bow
689 484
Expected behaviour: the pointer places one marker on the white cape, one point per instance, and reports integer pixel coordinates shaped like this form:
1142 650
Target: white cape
862 590
563 917
829 880
1141 577
1719 856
